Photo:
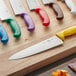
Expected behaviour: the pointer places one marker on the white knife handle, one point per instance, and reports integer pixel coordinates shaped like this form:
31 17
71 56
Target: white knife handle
71 6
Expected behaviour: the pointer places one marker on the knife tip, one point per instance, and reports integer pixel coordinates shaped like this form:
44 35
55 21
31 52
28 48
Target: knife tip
11 58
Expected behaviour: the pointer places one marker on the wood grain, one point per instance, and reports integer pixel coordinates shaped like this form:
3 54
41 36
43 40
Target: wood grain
26 65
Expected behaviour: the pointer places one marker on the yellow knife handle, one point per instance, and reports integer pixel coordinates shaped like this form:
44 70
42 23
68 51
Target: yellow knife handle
67 32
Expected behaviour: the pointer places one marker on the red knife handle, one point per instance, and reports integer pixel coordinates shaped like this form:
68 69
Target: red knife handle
44 16
58 11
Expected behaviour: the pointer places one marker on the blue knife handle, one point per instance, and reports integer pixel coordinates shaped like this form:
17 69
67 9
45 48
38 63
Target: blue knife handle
28 20
3 35
15 27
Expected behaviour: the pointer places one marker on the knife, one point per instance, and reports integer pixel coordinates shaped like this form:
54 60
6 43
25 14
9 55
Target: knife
34 5
6 16
56 8
71 6
46 44
3 35
20 10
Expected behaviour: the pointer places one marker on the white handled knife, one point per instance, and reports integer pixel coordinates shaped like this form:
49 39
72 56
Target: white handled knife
20 10
6 16
70 4
46 44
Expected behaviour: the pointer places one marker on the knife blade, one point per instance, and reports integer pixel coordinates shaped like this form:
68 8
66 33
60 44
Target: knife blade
34 5
46 44
20 10
6 16
71 6
56 8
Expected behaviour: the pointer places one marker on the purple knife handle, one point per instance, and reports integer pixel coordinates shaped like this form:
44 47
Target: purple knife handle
28 20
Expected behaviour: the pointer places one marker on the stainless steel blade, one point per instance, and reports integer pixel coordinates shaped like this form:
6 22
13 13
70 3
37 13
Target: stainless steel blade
48 1
37 48
4 12
33 4
17 6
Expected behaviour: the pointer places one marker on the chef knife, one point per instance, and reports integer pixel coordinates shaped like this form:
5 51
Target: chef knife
3 35
6 16
20 10
46 44
56 8
34 5
71 6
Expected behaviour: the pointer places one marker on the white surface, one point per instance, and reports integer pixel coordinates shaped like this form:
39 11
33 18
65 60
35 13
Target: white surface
4 12
17 6
71 6
37 48
48 1
33 4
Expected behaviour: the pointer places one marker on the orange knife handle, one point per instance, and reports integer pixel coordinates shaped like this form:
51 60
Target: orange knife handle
67 32
44 16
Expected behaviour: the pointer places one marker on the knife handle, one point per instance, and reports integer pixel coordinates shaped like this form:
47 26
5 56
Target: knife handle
44 16
67 32
28 20
58 11
71 6
15 27
3 35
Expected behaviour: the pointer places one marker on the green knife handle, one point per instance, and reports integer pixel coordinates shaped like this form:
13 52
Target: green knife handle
15 27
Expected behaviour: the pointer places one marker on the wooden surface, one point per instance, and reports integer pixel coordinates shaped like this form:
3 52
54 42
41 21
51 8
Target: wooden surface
26 65
62 67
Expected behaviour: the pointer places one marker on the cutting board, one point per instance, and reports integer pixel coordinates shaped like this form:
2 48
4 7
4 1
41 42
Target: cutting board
26 65
63 66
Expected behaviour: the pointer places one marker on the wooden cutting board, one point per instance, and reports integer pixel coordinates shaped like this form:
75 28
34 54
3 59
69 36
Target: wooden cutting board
26 65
